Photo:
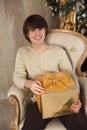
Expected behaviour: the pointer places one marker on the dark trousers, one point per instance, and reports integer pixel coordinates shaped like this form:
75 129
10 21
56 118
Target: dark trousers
34 121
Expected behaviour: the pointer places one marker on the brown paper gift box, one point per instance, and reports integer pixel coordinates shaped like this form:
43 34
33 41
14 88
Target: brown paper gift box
60 93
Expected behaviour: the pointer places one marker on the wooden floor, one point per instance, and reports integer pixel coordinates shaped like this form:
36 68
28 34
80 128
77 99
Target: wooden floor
6 112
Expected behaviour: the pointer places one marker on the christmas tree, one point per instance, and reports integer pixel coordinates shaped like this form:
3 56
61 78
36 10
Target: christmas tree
81 18
58 6
64 9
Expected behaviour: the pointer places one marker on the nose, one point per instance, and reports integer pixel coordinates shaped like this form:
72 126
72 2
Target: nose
37 31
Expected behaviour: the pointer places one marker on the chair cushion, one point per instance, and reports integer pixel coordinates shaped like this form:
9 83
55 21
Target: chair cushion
55 124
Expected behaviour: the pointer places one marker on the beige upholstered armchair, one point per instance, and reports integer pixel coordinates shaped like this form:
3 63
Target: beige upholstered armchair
76 48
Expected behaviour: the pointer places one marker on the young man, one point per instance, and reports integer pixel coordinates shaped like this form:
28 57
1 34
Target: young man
37 58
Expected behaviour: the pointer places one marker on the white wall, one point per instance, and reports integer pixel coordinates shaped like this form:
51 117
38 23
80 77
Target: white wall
12 16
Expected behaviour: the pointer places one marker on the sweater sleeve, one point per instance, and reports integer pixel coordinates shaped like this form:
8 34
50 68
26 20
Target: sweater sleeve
65 65
20 74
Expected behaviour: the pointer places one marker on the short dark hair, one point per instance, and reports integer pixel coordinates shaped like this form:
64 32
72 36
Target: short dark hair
33 22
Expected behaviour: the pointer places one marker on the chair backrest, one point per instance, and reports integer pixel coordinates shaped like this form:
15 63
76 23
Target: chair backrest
74 43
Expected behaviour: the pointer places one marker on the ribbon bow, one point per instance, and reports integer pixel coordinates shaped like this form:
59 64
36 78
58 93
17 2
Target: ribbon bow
57 81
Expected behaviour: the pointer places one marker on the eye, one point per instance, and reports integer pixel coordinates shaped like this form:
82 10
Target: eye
32 29
41 28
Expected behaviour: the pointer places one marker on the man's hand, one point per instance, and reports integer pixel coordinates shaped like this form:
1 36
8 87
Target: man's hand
34 86
75 107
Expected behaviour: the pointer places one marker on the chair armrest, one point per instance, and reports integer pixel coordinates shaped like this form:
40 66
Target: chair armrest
20 98
14 121
83 87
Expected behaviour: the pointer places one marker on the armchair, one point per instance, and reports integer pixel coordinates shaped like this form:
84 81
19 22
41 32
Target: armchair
75 45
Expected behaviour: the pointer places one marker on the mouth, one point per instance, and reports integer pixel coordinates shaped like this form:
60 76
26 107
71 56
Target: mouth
38 38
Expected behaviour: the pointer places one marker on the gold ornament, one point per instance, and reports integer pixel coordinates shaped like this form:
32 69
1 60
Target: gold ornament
69 22
62 2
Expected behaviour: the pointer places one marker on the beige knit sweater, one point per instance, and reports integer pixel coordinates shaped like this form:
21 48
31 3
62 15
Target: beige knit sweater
30 63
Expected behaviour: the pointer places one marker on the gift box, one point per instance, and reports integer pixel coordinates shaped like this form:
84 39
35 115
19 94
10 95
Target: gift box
60 93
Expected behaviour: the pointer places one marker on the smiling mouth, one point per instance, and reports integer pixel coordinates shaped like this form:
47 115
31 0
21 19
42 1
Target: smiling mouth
38 38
